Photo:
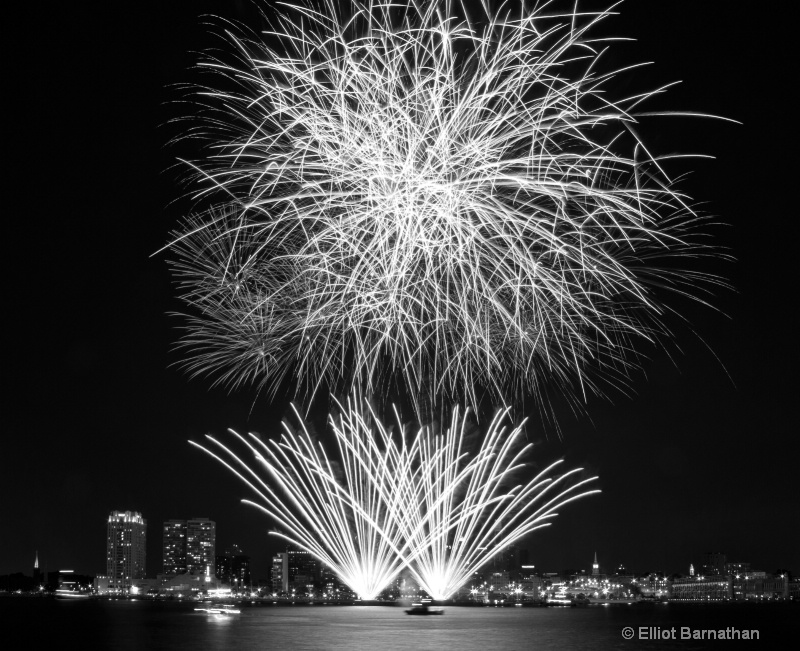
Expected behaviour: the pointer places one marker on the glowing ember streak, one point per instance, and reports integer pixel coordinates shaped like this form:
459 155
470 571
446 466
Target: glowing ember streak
455 206
386 504
465 511
340 513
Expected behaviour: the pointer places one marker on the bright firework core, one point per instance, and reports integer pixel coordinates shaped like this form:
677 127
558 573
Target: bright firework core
389 502
412 197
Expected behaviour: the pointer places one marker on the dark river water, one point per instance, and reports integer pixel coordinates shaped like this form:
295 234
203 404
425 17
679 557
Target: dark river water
99 624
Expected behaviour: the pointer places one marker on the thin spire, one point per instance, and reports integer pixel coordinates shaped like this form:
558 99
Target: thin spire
36 562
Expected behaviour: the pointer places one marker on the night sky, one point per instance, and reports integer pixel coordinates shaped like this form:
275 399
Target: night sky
701 457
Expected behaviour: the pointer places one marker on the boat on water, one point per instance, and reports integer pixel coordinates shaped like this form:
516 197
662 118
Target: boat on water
71 594
424 609
562 598
220 609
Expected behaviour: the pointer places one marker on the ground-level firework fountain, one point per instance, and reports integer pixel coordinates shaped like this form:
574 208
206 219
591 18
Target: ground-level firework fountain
392 500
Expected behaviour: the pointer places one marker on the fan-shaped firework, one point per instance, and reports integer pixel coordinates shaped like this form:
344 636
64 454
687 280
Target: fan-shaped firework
342 513
387 504
456 205
463 512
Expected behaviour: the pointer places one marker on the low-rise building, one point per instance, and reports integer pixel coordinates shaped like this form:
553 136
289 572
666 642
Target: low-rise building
794 589
702 588
761 586
189 583
654 585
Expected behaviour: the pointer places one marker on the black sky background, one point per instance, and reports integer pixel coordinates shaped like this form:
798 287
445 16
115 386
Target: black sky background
703 457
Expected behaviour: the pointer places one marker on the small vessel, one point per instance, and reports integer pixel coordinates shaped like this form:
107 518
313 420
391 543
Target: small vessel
424 609
220 609
560 598
71 594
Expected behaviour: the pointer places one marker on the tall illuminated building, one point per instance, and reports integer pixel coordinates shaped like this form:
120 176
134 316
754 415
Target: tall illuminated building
189 546
280 573
201 545
303 570
174 547
233 568
125 549
295 569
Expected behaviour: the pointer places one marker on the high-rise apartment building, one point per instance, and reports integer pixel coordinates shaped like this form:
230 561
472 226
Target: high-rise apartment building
189 546
280 573
174 547
302 568
125 548
233 568
201 545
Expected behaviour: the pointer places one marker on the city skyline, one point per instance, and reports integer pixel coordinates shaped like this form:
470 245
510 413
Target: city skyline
174 536
295 569
696 460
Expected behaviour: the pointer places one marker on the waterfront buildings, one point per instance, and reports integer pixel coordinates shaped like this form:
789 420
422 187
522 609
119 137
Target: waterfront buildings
297 571
189 546
174 546
201 545
654 585
125 549
769 586
330 582
303 570
754 586
192 584
233 568
731 581
723 581
794 589
702 588
280 573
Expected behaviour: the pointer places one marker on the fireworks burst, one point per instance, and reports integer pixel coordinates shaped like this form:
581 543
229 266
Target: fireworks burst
387 503
456 206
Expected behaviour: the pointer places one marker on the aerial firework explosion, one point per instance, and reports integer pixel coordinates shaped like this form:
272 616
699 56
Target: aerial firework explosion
386 503
412 197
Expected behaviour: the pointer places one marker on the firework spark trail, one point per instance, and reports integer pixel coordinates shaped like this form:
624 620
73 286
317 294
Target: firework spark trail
343 521
393 503
454 206
465 513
